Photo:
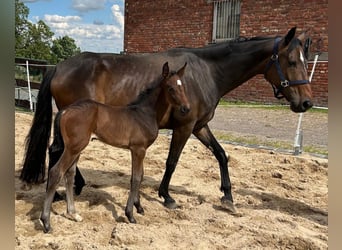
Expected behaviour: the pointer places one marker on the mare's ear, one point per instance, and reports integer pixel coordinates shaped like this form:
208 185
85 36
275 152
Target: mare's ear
306 47
180 72
289 36
304 36
165 70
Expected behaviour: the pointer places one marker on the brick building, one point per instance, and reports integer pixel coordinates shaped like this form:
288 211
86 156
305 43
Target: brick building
153 26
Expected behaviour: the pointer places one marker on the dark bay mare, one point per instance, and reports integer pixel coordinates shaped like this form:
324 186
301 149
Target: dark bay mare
132 127
212 72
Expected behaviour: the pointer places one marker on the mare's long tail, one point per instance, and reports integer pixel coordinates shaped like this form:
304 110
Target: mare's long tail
37 140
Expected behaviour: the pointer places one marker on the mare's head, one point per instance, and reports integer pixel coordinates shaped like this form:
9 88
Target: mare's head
287 71
174 88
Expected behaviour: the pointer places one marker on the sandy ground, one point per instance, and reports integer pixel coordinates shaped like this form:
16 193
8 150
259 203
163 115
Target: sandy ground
282 201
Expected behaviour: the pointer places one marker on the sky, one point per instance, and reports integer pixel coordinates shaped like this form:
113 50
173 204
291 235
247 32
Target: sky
95 25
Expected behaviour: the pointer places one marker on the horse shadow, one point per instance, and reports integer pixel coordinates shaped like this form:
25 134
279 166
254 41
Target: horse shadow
94 193
286 205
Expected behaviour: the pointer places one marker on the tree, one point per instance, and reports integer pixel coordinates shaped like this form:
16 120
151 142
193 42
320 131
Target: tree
39 41
21 27
36 40
63 48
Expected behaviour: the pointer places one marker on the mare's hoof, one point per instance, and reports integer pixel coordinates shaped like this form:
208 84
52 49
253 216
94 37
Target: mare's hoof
228 205
170 204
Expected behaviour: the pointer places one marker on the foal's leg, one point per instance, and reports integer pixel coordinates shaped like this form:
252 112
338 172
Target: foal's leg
138 155
207 138
69 183
54 178
179 138
55 175
54 155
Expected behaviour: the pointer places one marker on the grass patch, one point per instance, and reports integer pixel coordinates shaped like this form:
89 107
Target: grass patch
23 110
242 104
253 140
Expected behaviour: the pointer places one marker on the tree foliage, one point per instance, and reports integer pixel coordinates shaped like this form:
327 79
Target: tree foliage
63 48
36 41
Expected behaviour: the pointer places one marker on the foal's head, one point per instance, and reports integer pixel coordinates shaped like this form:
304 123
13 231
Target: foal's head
174 87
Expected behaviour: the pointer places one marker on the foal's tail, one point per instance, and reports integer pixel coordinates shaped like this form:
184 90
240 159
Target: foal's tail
57 145
37 140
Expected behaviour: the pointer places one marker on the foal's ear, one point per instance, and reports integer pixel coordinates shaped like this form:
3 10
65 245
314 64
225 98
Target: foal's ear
289 36
165 70
180 72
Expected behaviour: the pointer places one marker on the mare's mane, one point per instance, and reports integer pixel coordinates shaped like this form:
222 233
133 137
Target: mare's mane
220 49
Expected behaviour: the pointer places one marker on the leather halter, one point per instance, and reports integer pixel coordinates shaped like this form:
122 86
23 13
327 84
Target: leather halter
284 83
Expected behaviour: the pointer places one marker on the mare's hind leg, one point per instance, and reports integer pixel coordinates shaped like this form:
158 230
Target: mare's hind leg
79 182
138 155
207 138
69 182
54 155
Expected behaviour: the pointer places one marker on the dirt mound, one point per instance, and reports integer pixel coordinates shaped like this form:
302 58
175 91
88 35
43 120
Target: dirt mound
282 201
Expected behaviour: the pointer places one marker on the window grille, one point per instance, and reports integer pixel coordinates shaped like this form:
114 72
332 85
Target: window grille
226 19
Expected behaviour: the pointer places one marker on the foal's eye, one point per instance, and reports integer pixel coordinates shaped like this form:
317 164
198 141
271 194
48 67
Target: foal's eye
292 64
171 90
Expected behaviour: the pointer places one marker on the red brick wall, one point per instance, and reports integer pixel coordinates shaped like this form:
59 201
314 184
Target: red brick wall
152 26
269 17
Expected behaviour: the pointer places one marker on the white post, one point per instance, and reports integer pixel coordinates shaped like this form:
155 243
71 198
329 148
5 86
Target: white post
29 85
298 142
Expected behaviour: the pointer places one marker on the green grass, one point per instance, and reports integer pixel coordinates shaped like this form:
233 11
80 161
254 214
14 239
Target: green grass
265 106
23 110
253 140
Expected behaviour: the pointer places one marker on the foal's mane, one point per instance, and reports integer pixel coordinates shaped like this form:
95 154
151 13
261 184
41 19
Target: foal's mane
144 94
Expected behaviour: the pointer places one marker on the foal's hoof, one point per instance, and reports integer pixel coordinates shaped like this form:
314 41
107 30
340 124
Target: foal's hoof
140 210
75 217
228 205
132 220
45 225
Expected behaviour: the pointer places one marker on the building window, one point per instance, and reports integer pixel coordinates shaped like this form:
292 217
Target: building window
226 19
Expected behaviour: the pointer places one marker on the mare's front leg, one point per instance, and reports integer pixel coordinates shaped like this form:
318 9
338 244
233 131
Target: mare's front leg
179 138
137 155
69 182
207 138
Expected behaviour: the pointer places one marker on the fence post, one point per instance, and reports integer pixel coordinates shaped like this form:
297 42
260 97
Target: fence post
29 85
